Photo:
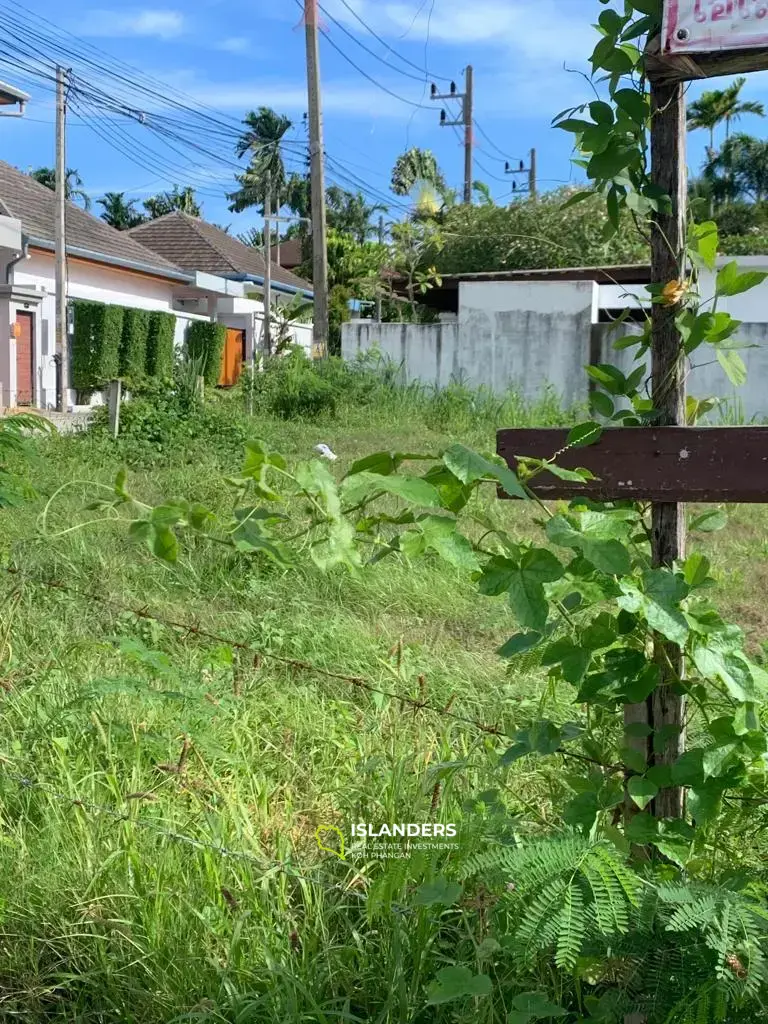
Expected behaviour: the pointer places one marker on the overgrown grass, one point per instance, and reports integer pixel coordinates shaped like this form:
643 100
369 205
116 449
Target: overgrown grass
160 791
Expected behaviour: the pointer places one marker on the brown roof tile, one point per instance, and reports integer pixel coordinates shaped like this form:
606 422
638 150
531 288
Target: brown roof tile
35 206
193 244
290 253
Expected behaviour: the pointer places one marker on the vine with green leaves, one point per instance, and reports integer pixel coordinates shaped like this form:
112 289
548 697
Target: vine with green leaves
621 913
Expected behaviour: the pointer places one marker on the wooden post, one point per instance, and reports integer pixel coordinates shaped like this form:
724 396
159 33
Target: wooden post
669 172
114 399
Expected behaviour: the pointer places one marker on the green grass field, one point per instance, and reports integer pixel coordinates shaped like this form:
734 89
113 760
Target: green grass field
160 790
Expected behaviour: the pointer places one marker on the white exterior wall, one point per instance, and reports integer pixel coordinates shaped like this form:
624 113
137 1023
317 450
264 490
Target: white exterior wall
94 282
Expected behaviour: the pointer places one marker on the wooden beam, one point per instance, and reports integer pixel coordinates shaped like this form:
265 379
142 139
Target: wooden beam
663 464
667 69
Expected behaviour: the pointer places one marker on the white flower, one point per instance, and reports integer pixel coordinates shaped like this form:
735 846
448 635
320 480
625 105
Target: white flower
326 452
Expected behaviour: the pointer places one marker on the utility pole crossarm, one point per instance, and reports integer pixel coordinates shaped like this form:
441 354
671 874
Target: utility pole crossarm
466 121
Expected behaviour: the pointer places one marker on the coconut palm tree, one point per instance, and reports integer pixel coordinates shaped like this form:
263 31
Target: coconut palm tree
743 164
733 107
119 212
262 139
73 184
178 199
718 106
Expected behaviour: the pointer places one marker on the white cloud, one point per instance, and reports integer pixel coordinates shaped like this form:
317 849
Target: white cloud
546 34
234 44
160 24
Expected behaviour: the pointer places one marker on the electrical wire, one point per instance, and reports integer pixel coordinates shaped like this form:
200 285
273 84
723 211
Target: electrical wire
423 71
368 50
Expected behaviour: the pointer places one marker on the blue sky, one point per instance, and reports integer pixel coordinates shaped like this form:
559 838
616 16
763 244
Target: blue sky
234 55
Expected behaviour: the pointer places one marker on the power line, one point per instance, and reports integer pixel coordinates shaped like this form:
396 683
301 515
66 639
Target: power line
376 56
424 72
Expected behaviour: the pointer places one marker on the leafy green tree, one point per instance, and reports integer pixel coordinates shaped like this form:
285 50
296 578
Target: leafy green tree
743 163
262 140
182 200
350 214
532 234
118 212
414 167
721 106
73 184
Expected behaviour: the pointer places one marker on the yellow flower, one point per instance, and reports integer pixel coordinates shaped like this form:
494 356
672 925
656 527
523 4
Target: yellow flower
674 292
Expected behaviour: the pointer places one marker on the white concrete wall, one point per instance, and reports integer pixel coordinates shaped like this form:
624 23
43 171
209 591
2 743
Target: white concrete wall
509 335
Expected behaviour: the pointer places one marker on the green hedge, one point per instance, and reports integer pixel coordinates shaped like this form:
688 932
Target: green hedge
205 343
162 328
98 330
133 345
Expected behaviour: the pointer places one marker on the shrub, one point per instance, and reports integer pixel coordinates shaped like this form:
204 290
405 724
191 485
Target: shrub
160 335
133 345
96 344
205 343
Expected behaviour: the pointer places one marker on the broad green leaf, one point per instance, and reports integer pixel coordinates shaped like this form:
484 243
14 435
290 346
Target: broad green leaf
688 770
609 556
696 569
652 7
612 23
584 434
528 601
470 466
410 488
440 891
642 829
530 1006
578 476
457 983
731 282
611 378
541 565
168 515
520 643
634 104
642 790
163 543
602 404
616 157
709 522
497 576
730 668
733 365
658 603
441 536
706 238
252 536
576 126
379 462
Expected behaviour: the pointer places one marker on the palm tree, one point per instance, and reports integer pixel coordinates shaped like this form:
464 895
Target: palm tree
182 200
743 162
733 107
721 105
73 184
350 214
118 212
262 139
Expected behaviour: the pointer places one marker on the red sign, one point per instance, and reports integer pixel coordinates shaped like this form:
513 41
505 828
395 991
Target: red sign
705 26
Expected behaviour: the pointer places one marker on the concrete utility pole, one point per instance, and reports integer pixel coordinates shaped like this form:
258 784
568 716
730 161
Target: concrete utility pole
467 121
378 292
267 336
530 170
277 231
317 184
62 343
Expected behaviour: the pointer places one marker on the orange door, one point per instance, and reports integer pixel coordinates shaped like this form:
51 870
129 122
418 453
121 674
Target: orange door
232 357
25 365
